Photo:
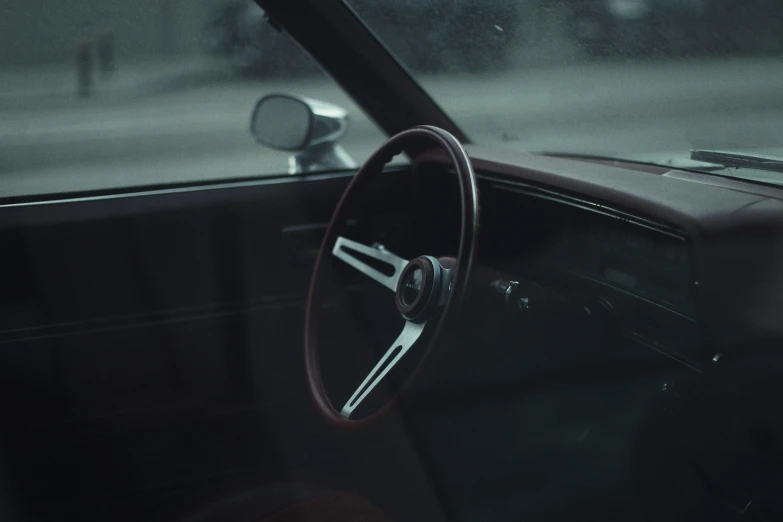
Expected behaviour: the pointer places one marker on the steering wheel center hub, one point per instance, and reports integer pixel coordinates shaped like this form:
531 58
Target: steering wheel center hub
411 286
419 288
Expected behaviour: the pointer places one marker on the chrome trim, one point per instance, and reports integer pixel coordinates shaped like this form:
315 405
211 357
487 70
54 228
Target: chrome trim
409 335
384 256
142 191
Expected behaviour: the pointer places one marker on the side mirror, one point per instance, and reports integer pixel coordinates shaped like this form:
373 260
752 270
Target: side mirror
308 127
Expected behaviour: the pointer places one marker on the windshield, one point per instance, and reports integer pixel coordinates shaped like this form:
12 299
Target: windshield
646 80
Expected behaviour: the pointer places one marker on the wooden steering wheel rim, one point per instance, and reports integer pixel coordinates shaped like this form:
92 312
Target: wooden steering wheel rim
469 224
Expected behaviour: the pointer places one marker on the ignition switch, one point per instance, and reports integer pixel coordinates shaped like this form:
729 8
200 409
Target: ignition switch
512 295
521 296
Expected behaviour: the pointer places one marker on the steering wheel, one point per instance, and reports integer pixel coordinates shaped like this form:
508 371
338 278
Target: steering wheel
423 286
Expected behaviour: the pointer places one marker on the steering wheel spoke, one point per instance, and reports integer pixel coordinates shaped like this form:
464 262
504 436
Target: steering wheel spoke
345 249
409 335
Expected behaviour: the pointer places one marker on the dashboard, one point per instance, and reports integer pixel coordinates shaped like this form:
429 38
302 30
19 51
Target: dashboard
680 263
632 274
598 243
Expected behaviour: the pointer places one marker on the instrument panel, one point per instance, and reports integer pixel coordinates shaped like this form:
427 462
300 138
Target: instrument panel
641 271
648 263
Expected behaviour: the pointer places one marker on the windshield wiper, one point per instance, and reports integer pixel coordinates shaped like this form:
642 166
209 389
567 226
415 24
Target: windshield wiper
737 160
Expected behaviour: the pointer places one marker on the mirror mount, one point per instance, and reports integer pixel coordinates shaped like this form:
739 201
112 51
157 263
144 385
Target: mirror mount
308 128
326 156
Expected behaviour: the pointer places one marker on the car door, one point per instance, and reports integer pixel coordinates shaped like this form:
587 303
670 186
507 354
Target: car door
152 342
156 262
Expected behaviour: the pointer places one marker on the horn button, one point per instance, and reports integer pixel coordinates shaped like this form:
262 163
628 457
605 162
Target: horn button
419 288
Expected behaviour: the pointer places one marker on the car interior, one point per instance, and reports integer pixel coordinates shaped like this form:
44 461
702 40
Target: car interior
583 338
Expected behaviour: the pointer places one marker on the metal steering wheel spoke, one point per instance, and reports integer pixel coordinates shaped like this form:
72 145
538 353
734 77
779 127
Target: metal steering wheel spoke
409 335
342 250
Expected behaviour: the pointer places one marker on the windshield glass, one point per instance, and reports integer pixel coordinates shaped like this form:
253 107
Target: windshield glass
647 80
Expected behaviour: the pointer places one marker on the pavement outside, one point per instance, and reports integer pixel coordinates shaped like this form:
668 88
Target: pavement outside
56 85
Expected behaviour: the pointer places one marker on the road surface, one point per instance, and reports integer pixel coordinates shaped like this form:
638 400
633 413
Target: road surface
199 130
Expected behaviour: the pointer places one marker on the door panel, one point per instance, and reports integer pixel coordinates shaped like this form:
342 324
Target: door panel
151 346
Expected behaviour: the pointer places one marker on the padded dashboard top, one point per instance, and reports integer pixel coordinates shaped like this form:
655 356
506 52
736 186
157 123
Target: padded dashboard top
735 228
